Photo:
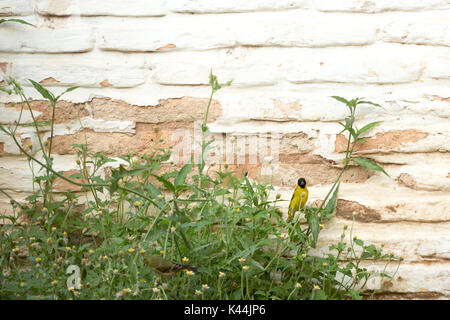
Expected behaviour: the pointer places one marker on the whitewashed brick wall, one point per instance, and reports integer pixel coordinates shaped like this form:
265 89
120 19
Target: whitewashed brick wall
140 63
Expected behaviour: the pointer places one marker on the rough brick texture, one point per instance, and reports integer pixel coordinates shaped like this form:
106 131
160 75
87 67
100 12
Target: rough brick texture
147 63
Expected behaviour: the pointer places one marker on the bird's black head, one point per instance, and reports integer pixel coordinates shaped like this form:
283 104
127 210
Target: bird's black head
301 182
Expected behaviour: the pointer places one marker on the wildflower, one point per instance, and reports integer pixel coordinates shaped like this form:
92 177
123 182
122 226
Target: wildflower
284 236
241 260
30 145
49 240
354 213
185 259
34 244
278 196
127 290
155 290
316 287
54 283
68 249
142 251
105 258
172 229
298 285
99 212
229 196
325 265
77 161
160 196
303 255
59 260
75 200
345 227
121 253
64 233
245 268
225 165
22 284
53 229
137 203
85 261
38 259
71 288
91 251
131 250
198 292
189 272
238 209
205 287
355 237
15 250
115 271
321 226
88 284
221 274
162 251
76 293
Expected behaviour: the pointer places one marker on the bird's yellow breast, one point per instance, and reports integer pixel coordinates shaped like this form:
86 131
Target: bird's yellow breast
299 198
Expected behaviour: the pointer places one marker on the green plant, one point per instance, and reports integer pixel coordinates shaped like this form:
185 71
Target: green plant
225 226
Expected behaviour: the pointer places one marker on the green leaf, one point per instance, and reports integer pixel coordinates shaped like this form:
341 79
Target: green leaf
181 176
367 127
37 123
169 186
340 99
313 221
17 20
368 164
44 92
331 204
4 89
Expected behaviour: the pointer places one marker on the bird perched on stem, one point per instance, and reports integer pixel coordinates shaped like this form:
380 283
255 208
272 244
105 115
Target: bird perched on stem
298 199
166 267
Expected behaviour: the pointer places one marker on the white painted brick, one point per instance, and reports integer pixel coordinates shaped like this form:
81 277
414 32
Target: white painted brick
412 278
417 30
375 64
63 72
179 32
262 66
438 64
16 7
194 68
303 29
292 28
375 6
413 242
219 6
14 39
137 8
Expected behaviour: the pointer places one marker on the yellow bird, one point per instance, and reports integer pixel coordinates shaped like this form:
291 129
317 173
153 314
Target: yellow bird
299 198
166 267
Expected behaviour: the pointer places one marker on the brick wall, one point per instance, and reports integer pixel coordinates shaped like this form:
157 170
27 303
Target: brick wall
140 63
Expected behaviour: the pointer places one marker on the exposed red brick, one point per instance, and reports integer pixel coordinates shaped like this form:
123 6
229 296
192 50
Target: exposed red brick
345 209
61 185
2 148
387 141
145 140
406 180
64 112
48 81
186 109
3 66
105 83
168 46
